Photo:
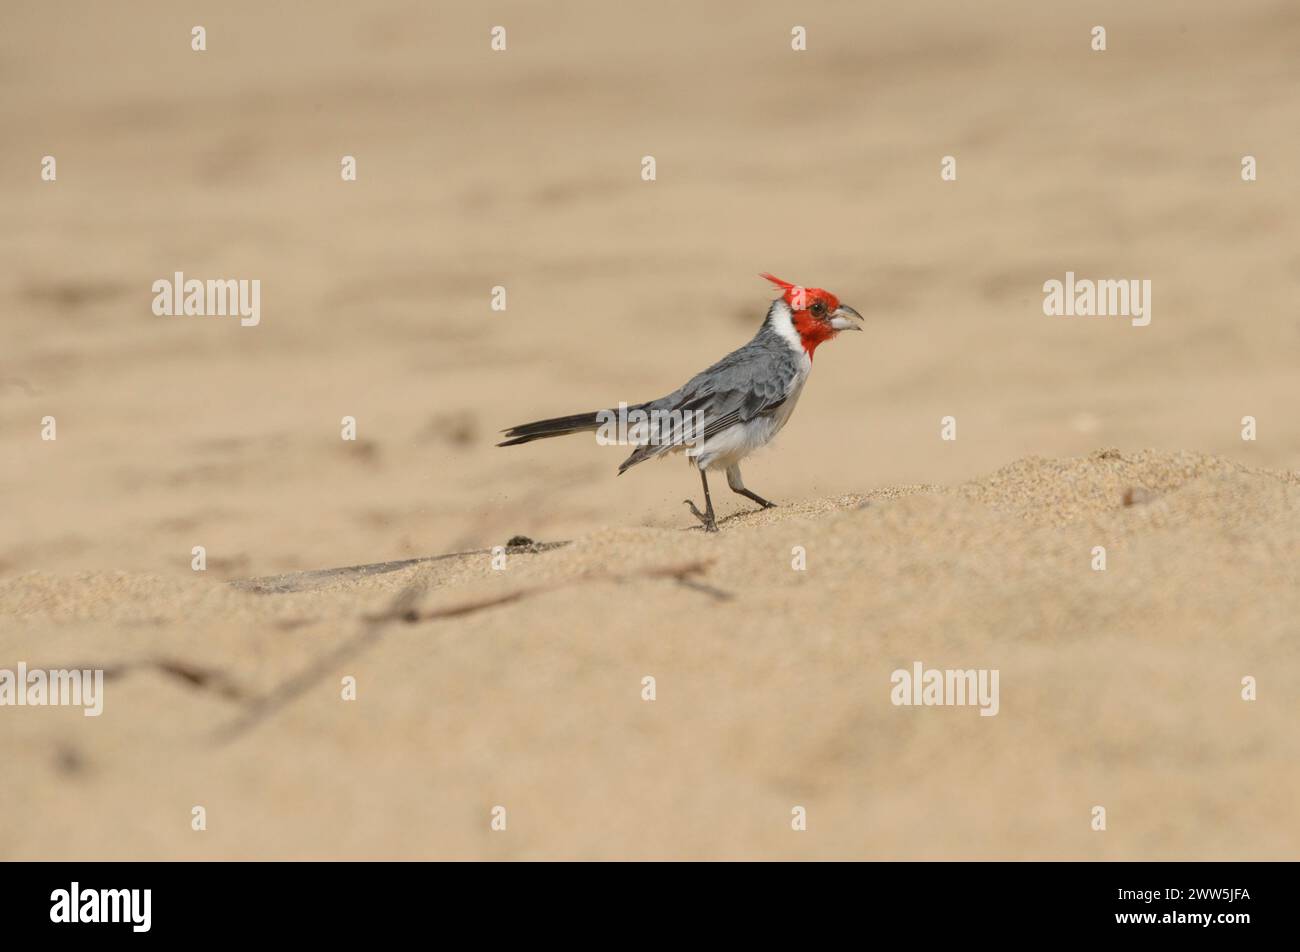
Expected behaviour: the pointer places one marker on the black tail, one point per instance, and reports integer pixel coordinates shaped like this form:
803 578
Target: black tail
527 432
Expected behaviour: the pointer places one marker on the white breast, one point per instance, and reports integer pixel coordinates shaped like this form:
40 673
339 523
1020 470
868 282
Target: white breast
736 442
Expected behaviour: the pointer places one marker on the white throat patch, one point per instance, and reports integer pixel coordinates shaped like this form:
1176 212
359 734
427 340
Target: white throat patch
782 320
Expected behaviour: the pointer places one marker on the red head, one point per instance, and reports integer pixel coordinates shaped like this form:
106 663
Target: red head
817 315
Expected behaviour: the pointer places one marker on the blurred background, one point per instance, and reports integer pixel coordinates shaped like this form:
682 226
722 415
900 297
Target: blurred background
522 169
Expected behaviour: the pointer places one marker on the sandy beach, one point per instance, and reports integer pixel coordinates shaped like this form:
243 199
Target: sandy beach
521 684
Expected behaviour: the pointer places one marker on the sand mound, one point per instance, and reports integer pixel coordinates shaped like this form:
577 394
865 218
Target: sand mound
1058 492
522 687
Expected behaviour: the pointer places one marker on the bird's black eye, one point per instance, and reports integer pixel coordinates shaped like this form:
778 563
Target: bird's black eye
818 308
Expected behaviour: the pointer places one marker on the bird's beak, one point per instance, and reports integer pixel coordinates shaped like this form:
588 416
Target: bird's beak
843 318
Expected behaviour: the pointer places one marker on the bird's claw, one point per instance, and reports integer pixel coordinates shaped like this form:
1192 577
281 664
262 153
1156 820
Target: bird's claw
710 524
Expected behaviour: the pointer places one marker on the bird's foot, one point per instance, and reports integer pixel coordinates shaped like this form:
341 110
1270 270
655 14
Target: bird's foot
710 524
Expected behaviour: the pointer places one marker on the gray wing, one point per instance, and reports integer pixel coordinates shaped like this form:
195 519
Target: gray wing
748 383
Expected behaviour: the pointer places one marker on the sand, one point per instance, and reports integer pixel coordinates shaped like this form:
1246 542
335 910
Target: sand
522 687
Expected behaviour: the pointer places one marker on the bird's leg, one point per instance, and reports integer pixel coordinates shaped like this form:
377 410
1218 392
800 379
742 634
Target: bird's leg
738 487
765 503
706 517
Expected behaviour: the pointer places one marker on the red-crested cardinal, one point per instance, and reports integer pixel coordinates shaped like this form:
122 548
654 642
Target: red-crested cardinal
726 412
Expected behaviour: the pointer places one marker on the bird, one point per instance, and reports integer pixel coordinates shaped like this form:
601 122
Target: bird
727 411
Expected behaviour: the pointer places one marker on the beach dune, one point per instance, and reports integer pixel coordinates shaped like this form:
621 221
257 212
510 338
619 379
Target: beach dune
523 687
